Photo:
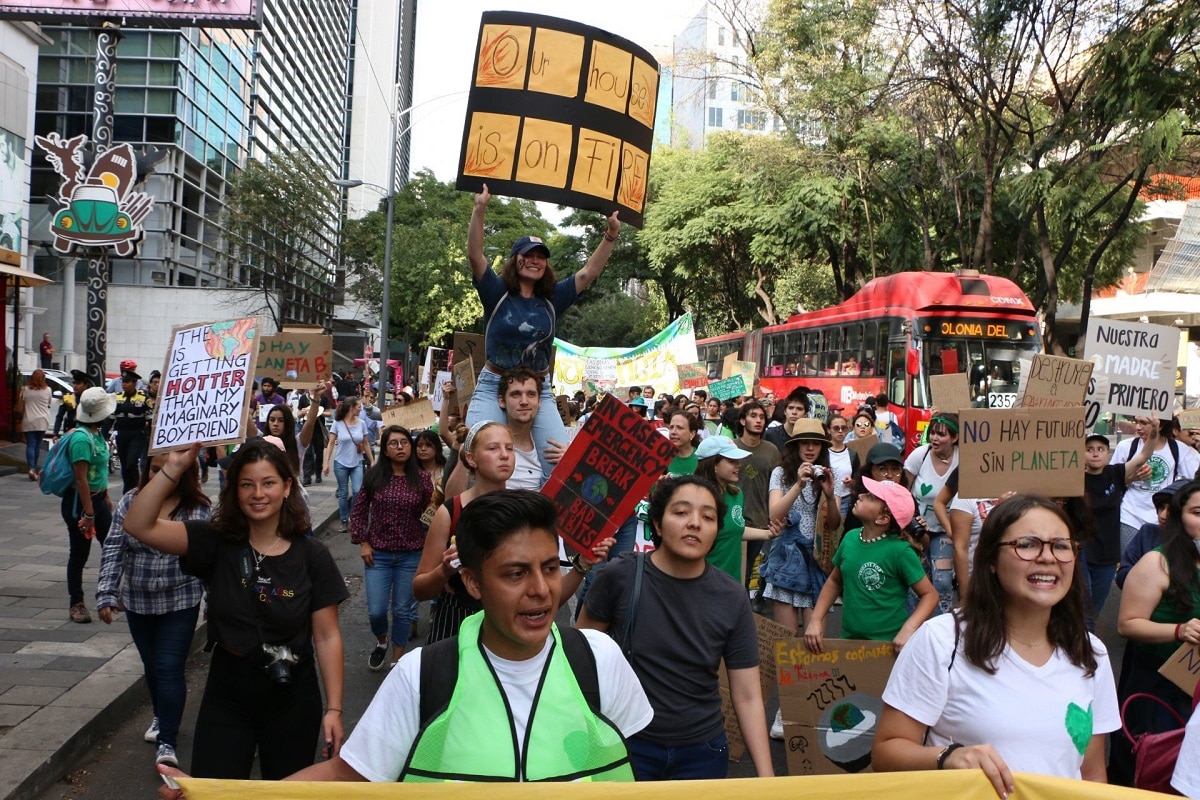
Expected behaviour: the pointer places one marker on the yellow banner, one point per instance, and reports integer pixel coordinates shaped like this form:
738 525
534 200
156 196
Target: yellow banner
959 784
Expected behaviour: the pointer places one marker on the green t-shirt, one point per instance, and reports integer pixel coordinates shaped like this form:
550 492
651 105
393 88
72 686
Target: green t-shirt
727 550
875 582
90 447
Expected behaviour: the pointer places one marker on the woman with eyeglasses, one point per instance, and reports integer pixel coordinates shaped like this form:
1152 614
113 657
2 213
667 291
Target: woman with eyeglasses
386 525
843 461
1012 681
1160 610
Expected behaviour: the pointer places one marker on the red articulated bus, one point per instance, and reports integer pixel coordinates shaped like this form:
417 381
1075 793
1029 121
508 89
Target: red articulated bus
890 337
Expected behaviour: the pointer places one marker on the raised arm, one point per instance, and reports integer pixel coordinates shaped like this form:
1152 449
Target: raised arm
479 262
1142 456
310 419
595 265
143 523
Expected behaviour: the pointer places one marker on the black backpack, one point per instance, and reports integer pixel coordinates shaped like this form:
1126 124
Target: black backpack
439 672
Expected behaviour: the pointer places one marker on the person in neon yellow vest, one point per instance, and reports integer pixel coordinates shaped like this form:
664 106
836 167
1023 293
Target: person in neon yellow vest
508 654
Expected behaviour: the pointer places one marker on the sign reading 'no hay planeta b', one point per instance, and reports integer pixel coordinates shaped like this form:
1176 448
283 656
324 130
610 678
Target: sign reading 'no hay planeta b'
559 112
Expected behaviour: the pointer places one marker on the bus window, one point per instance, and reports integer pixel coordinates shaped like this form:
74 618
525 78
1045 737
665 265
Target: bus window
831 349
812 352
852 351
877 339
774 355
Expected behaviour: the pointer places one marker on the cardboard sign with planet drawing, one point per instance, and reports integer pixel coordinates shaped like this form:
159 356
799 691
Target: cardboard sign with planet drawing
831 702
559 112
611 464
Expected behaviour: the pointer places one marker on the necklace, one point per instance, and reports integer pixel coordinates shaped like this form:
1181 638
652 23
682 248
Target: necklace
259 557
1030 644
943 460
872 541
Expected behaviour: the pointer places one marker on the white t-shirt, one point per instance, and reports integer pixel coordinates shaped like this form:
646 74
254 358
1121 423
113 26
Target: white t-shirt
1137 509
927 484
979 509
840 462
1040 719
527 471
382 739
1186 779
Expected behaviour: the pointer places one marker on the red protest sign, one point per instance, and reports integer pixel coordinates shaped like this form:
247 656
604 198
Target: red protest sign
612 463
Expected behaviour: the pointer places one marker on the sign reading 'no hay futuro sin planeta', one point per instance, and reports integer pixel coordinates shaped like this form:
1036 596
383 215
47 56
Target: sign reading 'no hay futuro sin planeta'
559 112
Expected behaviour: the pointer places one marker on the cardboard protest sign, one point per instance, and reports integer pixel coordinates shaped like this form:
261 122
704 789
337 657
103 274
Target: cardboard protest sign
559 112
747 369
464 380
831 702
728 388
435 393
1189 420
207 385
469 346
862 445
417 415
295 357
611 464
818 407
1134 368
1020 450
1183 668
692 376
1055 382
768 632
950 393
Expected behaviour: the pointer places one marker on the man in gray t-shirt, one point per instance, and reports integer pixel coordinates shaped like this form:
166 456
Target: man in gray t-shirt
689 617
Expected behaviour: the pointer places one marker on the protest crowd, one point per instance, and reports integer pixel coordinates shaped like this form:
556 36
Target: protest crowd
754 505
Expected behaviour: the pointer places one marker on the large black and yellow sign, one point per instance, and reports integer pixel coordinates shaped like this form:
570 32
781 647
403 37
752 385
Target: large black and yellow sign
560 112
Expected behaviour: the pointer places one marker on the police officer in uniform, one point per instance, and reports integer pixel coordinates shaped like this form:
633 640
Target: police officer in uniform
131 421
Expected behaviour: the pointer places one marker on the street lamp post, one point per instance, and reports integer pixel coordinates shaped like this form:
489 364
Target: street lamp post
385 317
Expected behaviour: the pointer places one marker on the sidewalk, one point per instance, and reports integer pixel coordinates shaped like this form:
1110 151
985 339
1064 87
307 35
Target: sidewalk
64 685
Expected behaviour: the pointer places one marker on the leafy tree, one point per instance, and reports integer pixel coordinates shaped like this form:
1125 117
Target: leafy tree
280 217
431 293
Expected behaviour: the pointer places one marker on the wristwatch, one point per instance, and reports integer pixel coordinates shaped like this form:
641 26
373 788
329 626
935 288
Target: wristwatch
577 564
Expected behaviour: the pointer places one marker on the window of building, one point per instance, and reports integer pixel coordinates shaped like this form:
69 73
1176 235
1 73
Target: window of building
715 117
737 92
712 88
749 119
721 36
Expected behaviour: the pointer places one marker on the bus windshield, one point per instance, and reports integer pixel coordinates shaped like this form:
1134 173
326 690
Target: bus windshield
989 351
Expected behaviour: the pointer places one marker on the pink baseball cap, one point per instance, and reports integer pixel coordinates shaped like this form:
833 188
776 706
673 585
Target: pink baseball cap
899 501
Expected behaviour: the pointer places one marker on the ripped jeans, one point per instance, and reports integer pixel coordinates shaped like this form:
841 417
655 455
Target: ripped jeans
940 568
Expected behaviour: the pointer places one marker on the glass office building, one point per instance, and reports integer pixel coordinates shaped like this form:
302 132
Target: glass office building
213 99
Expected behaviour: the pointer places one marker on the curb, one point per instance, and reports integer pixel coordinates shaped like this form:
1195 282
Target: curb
72 724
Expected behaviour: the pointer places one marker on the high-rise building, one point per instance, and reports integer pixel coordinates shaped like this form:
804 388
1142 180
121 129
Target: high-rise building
214 98
710 92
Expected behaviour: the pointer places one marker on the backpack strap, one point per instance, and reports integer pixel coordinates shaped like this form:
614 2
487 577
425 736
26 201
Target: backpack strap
439 672
1133 447
583 664
635 597
1174 447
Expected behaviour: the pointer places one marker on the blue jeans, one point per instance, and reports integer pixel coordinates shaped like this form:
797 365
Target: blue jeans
1100 583
163 642
941 570
547 425
349 481
656 762
391 579
33 447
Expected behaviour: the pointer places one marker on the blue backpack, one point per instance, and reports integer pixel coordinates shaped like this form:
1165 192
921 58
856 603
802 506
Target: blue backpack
58 476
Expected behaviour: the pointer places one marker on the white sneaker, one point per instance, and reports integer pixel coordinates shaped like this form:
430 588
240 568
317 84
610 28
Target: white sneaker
777 726
151 734
166 755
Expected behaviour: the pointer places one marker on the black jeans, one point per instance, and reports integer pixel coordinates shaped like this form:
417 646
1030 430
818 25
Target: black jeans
314 456
243 712
131 449
80 545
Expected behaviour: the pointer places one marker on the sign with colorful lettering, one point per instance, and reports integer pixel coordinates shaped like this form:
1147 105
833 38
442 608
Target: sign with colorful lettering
559 112
611 464
831 702
295 357
207 385
727 388
1021 450
652 362
139 13
1134 368
692 376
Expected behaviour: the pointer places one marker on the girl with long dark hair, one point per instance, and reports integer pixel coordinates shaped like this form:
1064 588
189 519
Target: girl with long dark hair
1012 680
386 525
347 447
273 612
161 603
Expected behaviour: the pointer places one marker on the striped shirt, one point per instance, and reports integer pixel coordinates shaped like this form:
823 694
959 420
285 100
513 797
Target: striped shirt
147 580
